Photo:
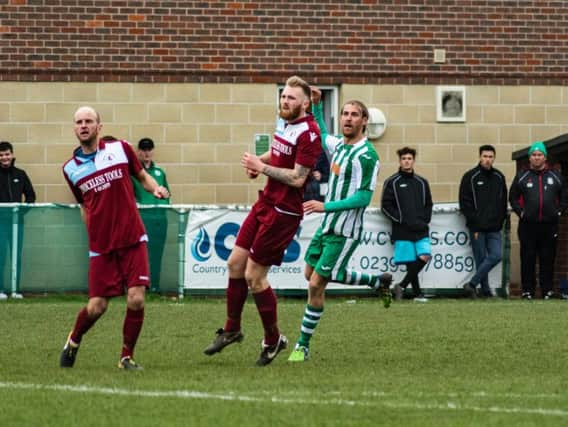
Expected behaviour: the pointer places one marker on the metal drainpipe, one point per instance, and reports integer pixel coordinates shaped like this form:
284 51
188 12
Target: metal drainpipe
182 222
14 257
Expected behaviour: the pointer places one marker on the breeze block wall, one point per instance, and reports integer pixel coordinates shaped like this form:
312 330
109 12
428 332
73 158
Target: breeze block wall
200 78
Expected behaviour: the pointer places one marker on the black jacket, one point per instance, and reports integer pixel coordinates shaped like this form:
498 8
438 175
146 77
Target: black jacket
14 183
313 186
407 201
483 199
538 196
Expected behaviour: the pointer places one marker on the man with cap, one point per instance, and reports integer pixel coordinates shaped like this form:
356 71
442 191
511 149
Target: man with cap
538 196
155 219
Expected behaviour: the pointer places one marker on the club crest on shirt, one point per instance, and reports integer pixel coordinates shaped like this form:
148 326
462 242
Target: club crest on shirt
335 169
108 158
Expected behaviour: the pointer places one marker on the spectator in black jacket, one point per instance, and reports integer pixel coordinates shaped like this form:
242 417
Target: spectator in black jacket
407 201
483 201
316 188
538 196
15 186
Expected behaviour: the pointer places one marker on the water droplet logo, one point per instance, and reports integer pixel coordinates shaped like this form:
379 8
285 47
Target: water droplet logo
201 246
225 232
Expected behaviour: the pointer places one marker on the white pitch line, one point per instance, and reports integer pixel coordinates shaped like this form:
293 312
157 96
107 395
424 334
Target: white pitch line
185 394
493 409
467 394
192 394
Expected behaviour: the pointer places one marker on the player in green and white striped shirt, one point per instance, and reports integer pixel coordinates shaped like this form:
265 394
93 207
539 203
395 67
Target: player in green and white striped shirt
353 174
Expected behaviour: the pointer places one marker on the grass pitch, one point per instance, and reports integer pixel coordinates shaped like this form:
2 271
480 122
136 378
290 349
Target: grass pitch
444 363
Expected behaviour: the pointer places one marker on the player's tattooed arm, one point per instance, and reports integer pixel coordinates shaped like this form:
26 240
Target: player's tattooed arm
292 177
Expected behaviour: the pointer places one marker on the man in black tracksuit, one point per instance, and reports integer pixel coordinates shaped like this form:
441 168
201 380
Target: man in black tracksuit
538 196
483 201
14 185
407 202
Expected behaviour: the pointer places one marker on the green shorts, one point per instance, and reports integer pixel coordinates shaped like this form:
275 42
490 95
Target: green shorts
329 255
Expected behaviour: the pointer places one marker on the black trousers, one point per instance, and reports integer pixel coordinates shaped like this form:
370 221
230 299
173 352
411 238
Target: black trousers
538 240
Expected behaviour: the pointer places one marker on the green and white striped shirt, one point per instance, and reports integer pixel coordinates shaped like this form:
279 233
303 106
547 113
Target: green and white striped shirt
352 168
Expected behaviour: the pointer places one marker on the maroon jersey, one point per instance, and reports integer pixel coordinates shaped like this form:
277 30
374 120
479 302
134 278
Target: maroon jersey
299 142
101 182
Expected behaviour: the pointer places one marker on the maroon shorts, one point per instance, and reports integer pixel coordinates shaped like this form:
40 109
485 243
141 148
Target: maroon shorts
266 233
111 273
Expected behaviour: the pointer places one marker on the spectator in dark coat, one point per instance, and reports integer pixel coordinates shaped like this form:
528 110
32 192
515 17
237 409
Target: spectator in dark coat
407 202
483 201
15 187
316 188
538 196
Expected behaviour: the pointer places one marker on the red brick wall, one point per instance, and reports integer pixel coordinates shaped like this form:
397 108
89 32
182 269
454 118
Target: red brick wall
387 41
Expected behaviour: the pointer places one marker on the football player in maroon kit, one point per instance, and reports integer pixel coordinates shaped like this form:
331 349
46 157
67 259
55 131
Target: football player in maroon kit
272 222
99 177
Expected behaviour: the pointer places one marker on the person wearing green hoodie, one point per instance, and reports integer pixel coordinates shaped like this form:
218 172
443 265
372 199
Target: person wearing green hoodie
155 219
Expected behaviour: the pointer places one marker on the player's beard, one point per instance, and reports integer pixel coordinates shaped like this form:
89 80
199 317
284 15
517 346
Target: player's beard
291 114
351 132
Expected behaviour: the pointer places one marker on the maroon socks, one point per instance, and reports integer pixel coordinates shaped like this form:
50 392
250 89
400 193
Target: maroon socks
237 292
131 329
83 323
266 304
